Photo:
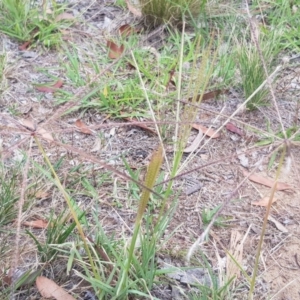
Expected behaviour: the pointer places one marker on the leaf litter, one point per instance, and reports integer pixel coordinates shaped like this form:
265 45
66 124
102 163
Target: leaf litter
210 187
281 186
49 289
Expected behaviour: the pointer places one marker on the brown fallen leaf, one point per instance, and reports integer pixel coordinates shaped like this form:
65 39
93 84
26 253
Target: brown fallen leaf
45 135
133 10
281 186
263 201
207 131
50 88
209 95
278 225
64 16
31 125
41 224
49 289
115 51
195 144
82 127
25 45
41 194
139 124
126 30
231 127
131 66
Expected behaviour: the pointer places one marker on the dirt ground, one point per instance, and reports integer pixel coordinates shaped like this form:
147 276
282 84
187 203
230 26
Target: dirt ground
279 268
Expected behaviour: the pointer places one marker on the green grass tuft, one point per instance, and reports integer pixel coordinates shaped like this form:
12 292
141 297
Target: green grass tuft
157 12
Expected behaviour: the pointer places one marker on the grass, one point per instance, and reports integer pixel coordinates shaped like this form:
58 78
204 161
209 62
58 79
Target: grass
8 196
252 71
112 219
170 11
25 22
3 82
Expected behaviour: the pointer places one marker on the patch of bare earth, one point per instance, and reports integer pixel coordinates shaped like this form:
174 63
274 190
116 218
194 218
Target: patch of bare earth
279 268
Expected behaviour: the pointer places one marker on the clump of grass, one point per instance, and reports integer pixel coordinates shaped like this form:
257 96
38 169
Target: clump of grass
8 197
22 20
157 12
252 71
57 233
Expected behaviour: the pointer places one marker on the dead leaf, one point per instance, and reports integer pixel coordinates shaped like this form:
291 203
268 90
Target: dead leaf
97 146
231 127
45 134
126 30
41 224
50 88
278 225
83 128
49 289
264 201
25 45
209 95
64 16
195 144
207 131
29 124
41 194
139 124
131 66
133 10
115 51
281 186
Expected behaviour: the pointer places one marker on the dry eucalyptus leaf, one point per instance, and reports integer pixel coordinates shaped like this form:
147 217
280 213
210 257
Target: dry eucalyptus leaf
64 16
49 289
115 51
50 88
41 224
82 127
45 134
28 123
232 128
127 30
264 201
97 145
41 194
207 131
281 186
278 225
195 144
